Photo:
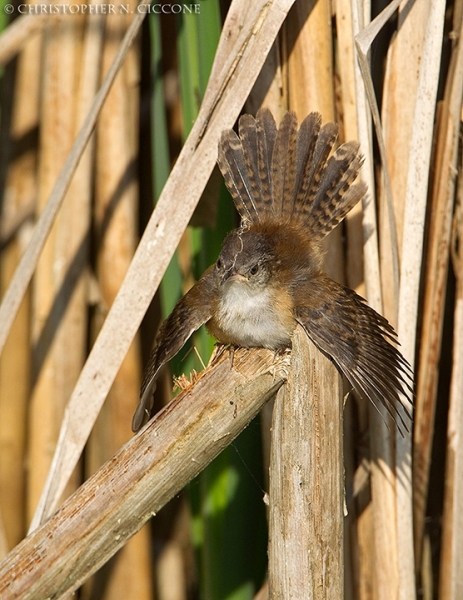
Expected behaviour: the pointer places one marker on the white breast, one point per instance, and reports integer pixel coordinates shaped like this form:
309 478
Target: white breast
253 317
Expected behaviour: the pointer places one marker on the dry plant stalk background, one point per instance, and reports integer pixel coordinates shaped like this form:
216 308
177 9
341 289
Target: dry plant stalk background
80 142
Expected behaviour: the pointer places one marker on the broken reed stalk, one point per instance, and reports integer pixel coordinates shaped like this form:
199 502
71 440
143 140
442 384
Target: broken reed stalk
307 480
136 483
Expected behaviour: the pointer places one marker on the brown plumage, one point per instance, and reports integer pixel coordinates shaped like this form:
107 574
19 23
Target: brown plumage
290 193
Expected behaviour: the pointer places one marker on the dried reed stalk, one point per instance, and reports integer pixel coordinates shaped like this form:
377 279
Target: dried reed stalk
357 530
308 59
413 235
59 293
269 90
347 104
133 486
18 206
377 574
400 579
116 226
435 282
306 85
17 288
307 480
19 34
399 97
451 559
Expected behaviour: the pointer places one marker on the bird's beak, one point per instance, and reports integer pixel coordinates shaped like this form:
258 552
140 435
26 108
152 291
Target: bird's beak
232 275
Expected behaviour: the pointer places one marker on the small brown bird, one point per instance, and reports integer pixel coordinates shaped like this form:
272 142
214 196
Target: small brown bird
290 193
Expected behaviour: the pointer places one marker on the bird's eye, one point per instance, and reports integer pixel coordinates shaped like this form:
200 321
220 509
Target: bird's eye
219 263
254 269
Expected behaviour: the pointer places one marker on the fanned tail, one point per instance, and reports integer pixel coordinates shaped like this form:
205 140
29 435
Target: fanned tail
288 174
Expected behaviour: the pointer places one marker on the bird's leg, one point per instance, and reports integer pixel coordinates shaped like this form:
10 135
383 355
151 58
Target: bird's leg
231 350
279 353
219 349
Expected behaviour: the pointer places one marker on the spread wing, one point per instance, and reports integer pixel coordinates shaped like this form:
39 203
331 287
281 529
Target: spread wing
362 344
192 311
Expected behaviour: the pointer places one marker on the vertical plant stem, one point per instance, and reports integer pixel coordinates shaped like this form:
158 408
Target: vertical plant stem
451 559
307 480
116 201
372 529
435 283
399 98
19 201
414 217
59 309
345 61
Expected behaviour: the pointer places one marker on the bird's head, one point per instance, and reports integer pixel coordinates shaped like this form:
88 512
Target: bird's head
245 259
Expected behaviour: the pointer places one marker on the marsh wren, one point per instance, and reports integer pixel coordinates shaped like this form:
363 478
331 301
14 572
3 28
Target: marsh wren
290 193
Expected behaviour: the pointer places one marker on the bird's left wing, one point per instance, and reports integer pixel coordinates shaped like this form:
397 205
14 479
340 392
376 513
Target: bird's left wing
190 312
362 344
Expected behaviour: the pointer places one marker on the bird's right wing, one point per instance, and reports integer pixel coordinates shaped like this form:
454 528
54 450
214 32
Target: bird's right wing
363 345
190 312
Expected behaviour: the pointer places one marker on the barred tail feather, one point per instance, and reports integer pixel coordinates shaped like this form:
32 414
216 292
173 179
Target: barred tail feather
313 172
337 194
306 141
284 167
248 136
333 215
287 174
266 130
232 163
